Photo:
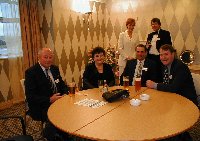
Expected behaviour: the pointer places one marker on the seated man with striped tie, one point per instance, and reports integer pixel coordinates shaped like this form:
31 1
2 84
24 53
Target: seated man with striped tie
140 67
43 85
177 78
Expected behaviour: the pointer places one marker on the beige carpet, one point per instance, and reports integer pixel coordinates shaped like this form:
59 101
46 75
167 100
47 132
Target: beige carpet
34 128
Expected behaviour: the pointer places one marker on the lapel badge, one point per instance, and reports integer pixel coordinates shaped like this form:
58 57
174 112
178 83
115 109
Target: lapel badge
57 81
145 69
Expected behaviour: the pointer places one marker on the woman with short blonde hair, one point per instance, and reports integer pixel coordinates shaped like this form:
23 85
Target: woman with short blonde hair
126 44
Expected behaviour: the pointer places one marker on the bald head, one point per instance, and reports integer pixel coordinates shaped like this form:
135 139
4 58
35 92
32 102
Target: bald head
45 56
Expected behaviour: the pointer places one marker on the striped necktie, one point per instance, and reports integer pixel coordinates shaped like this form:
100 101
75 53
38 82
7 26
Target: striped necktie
53 86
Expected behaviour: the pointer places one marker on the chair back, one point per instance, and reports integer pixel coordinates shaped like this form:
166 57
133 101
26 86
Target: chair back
27 112
196 80
22 84
82 71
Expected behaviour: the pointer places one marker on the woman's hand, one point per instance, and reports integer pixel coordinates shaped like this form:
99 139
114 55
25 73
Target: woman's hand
129 58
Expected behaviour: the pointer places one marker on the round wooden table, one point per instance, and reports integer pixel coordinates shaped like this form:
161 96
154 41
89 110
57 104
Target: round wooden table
163 115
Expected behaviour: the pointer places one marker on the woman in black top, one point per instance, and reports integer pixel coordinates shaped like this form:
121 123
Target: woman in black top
98 70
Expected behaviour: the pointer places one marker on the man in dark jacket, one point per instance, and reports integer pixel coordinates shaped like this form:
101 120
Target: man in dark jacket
148 68
177 78
43 86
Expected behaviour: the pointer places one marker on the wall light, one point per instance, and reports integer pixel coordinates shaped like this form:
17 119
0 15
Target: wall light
83 6
123 5
86 18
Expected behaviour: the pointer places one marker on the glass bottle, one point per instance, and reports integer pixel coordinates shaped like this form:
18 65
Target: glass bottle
105 87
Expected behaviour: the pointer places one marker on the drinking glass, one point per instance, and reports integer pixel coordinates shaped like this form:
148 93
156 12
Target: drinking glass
72 88
137 84
126 82
100 84
148 45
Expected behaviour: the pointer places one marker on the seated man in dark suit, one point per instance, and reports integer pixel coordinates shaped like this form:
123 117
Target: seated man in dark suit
141 66
177 78
43 85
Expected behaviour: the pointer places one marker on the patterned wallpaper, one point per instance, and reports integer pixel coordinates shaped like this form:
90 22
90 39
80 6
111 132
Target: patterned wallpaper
64 30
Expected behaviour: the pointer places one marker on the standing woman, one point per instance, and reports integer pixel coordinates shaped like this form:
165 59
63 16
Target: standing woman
126 44
98 70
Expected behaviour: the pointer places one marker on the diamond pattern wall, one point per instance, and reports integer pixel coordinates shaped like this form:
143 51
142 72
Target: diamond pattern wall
71 38
65 31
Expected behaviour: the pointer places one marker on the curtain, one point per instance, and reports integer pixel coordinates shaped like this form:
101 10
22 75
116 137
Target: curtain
22 46
12 36
30 32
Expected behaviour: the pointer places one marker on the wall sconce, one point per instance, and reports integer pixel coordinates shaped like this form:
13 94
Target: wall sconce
83 6
124 5
86 18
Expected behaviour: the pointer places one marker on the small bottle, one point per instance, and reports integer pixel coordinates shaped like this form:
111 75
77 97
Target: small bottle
105 87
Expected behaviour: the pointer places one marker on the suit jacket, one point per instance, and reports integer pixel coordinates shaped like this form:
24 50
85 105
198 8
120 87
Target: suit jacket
150 73
164 36
180 81
38 90
91 76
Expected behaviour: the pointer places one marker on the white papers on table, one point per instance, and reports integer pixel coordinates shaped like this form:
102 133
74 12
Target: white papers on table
90 103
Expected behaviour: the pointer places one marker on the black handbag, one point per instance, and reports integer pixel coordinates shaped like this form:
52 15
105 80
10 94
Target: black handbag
114 95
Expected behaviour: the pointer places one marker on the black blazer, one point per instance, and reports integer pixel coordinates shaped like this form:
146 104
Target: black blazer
180 82
38 90
164 36
91 76
149 74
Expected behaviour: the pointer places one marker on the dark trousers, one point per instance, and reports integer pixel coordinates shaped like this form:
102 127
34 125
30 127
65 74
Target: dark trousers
51 133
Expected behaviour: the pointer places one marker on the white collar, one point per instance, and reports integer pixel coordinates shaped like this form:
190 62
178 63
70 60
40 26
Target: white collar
43 68
138 61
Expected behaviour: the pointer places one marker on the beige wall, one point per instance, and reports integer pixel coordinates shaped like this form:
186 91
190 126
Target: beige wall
68 34
64 31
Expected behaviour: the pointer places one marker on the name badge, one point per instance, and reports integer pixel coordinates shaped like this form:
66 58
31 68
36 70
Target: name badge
145 69
57 81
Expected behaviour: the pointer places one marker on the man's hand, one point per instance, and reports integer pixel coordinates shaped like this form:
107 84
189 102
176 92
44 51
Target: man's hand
55 97
150 84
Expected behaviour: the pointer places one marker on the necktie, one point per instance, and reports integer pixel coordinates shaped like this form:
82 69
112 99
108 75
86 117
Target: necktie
139 71
53 86
166 76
